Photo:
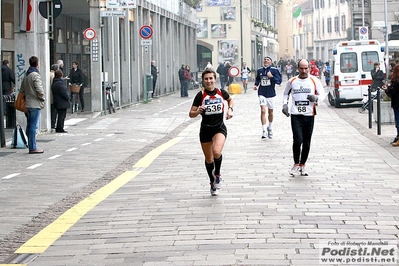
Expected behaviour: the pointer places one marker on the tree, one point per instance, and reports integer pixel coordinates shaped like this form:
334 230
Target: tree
193 3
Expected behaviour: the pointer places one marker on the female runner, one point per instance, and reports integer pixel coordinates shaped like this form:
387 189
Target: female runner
210 103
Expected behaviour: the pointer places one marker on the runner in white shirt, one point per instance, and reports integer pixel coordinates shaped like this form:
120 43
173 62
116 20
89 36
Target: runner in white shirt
244 76
305 91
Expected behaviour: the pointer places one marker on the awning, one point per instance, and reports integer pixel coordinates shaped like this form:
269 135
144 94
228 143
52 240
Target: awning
393 45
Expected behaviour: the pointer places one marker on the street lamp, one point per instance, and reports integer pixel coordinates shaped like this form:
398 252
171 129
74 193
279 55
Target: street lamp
385 31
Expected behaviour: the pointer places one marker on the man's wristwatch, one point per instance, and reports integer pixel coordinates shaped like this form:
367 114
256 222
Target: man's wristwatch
231 108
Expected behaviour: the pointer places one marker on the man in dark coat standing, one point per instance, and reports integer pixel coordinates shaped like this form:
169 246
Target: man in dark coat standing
222 71
181 79
7 83
61 100
8 78
154 73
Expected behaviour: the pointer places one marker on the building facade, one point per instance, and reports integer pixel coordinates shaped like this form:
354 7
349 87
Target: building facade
236 32
115 53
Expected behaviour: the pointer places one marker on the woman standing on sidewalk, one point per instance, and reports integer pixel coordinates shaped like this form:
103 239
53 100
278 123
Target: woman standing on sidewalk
209 103
393 92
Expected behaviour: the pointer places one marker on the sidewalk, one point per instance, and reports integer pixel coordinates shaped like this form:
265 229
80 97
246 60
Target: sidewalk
163 213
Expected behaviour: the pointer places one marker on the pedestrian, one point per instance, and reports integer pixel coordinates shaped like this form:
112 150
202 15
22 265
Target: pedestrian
181 79
377 76
60 64
187 80
8 81
76 77
393 92
327 73
266 79
282 63
245 71
289 68
210 104
154 73
319 65
222 71
61 101
209 66
305 91
229 79
8 78
314 71
53 111
32 88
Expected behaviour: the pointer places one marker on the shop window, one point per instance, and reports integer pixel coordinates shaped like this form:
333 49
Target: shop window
7 30
60 36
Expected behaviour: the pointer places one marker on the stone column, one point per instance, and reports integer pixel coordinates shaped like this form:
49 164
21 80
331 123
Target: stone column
96 64
32 42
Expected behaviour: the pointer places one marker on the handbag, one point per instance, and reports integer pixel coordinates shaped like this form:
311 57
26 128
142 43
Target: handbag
20 103
19 139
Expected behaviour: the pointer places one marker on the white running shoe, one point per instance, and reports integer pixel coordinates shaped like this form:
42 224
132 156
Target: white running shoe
295 170
214 190
269 133
218 182
264 135
302 170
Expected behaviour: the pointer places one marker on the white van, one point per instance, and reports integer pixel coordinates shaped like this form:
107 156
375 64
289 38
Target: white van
350 70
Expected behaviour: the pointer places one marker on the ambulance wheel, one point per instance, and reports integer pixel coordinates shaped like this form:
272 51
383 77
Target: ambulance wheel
331 100
337 103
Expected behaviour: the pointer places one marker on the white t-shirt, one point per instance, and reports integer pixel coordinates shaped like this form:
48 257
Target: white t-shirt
289 69
244 72
299 89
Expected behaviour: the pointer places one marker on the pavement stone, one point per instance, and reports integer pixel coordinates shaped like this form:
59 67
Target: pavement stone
166 216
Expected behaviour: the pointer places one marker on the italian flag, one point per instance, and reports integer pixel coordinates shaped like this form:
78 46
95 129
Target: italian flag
298 15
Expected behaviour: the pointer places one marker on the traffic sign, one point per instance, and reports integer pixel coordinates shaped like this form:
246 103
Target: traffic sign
146 32
363 33
57 8
234 71
112 13
146 42
89 34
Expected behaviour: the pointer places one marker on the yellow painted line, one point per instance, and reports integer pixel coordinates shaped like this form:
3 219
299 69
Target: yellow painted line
48 235
152 155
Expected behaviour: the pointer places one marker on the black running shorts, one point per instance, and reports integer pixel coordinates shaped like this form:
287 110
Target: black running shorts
206 133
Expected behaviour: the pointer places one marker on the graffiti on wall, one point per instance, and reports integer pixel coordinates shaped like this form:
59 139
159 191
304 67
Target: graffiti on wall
21 67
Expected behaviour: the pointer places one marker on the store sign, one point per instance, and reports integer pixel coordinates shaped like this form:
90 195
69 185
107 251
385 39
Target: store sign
121 3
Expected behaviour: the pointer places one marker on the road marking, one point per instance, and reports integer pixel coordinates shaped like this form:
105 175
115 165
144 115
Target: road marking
54 157
87 143
99 139
34 166
110 135
11 176
73 121
72 149
103 124
48 235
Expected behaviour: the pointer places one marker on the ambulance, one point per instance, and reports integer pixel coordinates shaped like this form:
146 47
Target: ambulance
350 70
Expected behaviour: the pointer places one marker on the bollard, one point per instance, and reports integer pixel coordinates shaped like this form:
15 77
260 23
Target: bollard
378 111
148 86
370 108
